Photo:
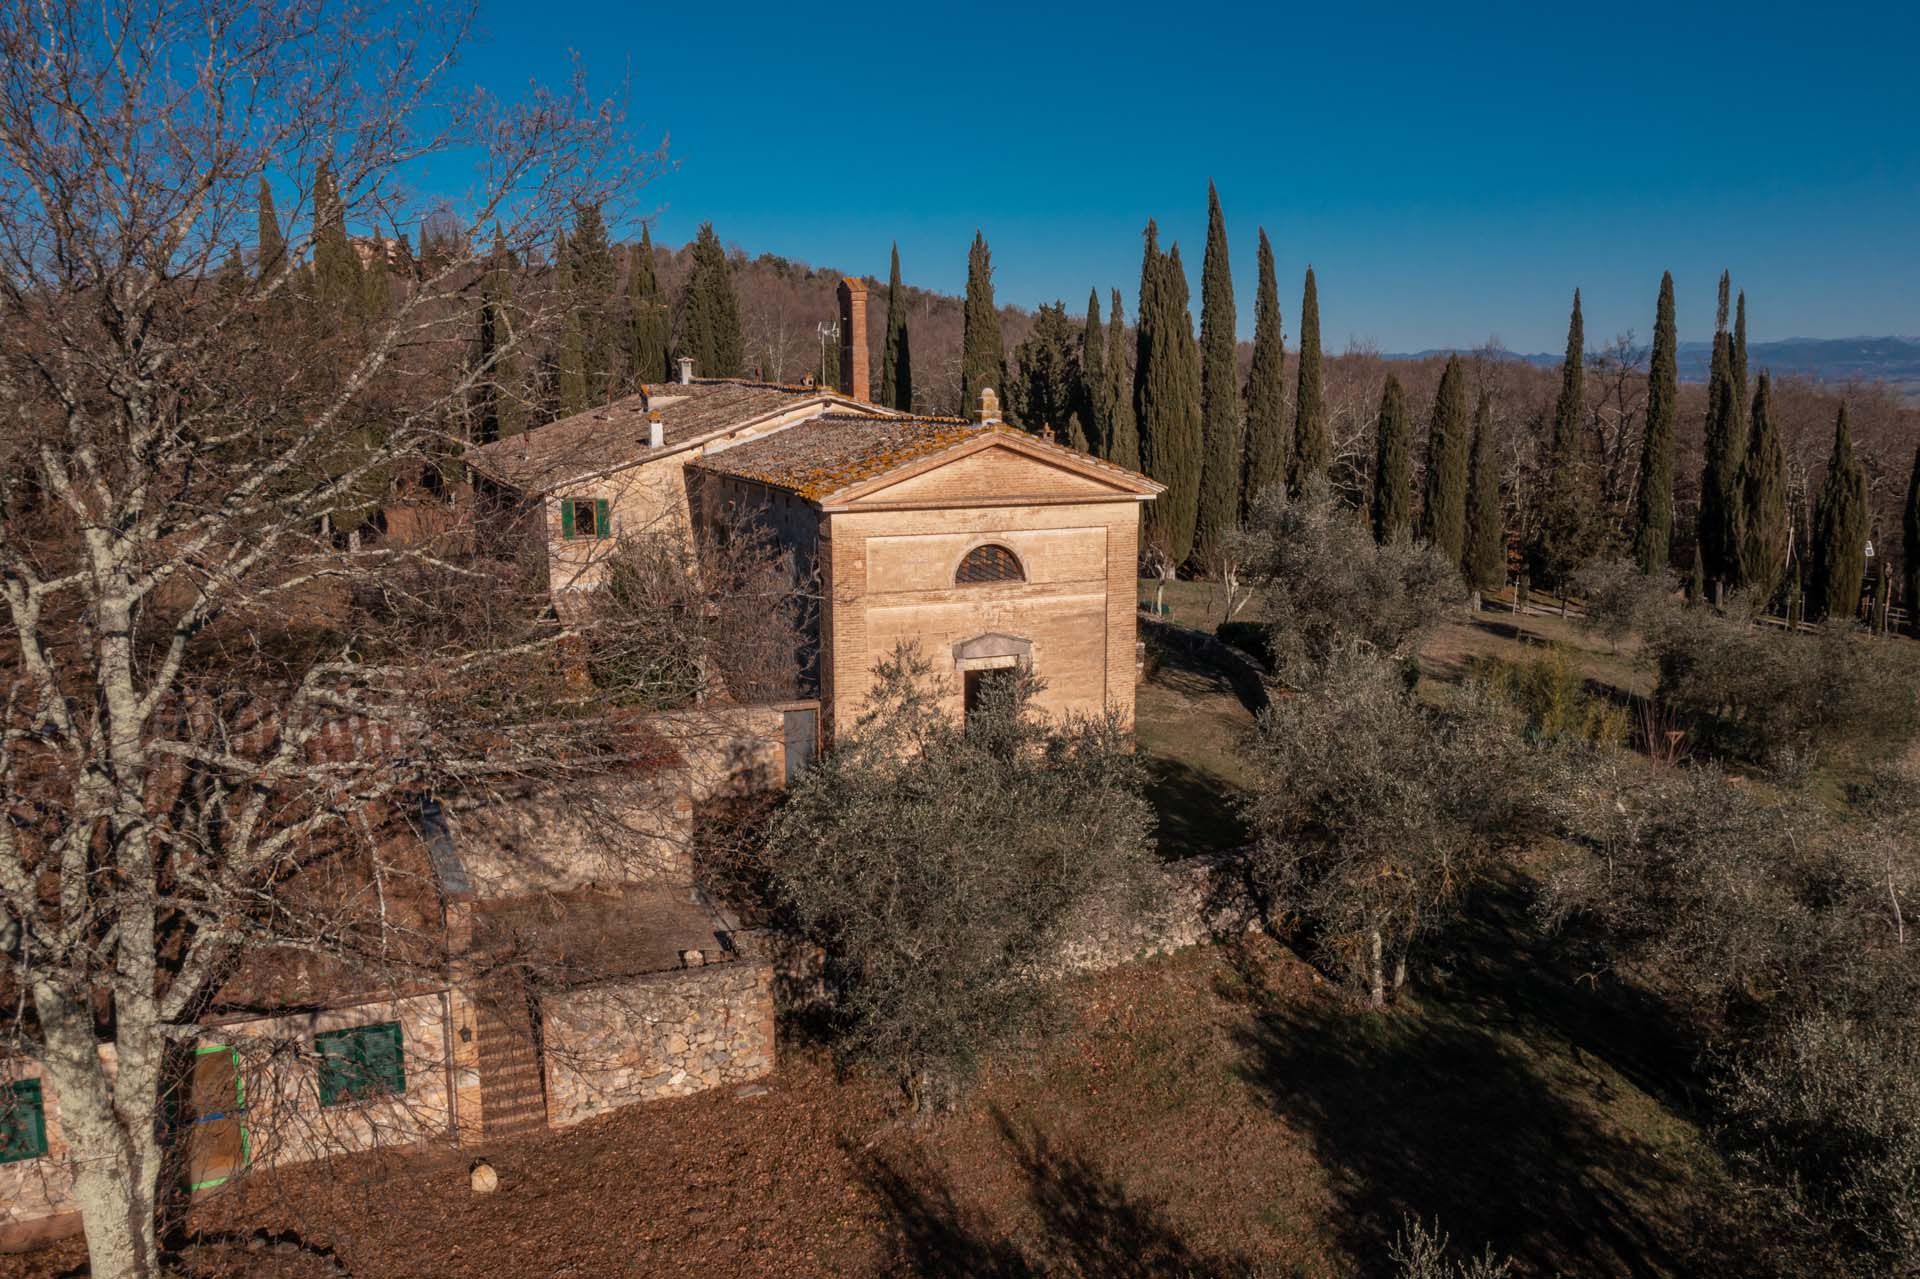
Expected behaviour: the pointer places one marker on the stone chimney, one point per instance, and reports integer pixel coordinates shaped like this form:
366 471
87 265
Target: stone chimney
989 410
686 370
853 340
657 429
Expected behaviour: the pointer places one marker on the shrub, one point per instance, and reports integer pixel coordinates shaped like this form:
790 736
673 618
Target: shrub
1783 700
1776 932
1555 699
1827 1108
1373 812
937 863
1620 599
1322 585
1419 1253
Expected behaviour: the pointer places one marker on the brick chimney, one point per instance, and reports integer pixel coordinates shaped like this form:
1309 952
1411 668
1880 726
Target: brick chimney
853 340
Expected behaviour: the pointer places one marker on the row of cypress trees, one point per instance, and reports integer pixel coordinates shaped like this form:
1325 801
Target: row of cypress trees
1743 536
1177 409
606 343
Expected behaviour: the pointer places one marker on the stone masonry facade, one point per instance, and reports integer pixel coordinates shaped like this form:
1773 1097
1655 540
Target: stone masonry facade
659 1035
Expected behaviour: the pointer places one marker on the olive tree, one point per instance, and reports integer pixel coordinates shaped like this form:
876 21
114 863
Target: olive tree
939 864
1373 811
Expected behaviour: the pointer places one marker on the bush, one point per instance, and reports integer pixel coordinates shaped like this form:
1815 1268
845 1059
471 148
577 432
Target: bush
1419 1253
1620 599
1776 932
1827 1108
1783 700
937 864
1324 586
1373 812
1555 699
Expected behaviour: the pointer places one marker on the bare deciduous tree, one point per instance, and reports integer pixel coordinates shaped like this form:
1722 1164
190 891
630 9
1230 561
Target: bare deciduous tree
212 685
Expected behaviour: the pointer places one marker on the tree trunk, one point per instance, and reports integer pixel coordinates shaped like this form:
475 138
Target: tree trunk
115 1163
1378 970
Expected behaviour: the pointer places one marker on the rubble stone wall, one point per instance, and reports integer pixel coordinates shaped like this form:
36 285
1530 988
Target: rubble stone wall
659 1035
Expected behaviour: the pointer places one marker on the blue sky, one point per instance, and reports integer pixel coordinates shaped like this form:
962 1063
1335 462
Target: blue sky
1452 172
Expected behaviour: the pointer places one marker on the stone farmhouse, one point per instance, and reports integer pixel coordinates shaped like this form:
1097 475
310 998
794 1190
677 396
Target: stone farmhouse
569 968
987 546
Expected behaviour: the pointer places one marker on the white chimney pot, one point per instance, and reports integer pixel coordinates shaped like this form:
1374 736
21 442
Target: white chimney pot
656 430
686 370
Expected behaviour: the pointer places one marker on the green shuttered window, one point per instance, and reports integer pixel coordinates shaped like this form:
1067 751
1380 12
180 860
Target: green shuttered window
585 517
361 1062
23 1122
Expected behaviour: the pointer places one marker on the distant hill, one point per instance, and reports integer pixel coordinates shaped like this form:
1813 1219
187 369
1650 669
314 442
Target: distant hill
1893 360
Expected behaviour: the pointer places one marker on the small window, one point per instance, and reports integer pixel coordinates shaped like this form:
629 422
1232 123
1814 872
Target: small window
989 564
978 686
585 517
362 1062
23 1122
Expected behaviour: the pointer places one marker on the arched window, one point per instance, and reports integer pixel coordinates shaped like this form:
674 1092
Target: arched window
989 564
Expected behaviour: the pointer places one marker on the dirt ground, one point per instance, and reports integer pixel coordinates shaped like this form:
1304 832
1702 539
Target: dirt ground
1219 1112
1215 1112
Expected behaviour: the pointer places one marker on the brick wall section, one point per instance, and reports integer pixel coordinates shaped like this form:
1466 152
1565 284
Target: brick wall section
660 1035
891 580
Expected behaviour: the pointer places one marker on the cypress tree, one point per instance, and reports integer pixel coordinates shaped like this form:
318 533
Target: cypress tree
646 315
1268 441
982 356
271 250
499 409
896 363
570 353
1120 431
376 282
1910 547
1725 450
1443 516
1763 517
709 310
1840 532
1220 426
1393 467
1043 377
1653 504
1560 536
1484 560
1166 393
1312 450
1737 364
335 268
594 278
1094 413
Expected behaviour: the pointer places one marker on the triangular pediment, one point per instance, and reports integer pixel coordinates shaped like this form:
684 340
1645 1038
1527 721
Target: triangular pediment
1000 467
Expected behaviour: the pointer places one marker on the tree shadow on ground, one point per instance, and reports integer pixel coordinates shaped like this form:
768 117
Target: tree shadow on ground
1485 1106
1195 816
1195 661
1088 1224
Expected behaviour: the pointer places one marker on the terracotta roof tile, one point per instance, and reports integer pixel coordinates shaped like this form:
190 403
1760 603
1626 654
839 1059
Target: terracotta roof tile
615 434
825 454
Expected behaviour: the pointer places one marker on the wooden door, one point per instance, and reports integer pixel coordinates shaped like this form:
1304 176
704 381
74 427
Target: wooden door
217 1146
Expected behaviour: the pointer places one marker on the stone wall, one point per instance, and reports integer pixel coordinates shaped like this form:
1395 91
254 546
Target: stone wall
605 834
659 1035
1194 900
283 1117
